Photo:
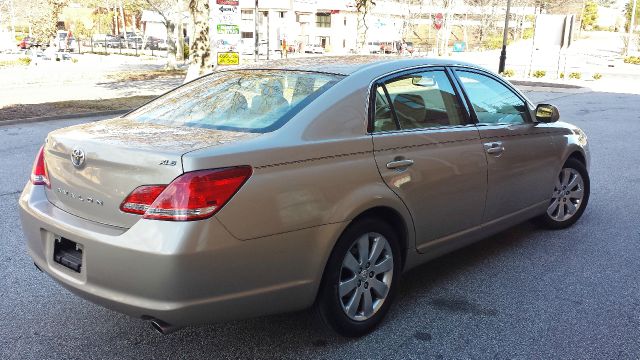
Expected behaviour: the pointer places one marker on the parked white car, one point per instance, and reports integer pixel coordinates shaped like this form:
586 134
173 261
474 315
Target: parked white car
314 49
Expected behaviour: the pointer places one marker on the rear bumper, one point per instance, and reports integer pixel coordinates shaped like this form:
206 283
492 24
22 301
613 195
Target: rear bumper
179 272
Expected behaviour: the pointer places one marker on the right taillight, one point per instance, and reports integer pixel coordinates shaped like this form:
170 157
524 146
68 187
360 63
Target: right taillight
39 174
194 195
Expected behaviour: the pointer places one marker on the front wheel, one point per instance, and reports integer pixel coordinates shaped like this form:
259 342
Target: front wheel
360 278
569 198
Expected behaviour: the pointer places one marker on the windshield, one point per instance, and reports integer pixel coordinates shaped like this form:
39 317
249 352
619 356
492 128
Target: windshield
244 100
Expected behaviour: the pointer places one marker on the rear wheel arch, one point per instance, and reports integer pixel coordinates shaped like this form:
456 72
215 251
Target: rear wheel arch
394 219
387 214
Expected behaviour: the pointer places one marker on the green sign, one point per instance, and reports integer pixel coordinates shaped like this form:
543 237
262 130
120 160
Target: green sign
228 29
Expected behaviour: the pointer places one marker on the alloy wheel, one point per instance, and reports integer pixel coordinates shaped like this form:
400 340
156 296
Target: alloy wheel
567 195
365 276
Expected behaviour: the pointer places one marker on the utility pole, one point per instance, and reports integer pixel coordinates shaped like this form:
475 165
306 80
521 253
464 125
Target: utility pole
255 32
503 53
13 19
268 35
633 19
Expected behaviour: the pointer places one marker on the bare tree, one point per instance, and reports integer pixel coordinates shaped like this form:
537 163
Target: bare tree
486 15
200 48
42 16
363 7
167 10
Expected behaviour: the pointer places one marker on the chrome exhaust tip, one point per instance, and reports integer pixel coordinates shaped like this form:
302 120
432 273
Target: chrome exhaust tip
162 327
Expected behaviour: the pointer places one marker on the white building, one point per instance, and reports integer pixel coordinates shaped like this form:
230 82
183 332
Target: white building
332 24
328 23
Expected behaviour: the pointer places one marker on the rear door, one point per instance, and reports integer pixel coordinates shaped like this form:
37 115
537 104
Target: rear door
520 154
428 152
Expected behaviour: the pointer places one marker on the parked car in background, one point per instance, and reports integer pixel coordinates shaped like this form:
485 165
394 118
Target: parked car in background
155 43
311 183
27 42
313 49
410 49
134 42
373 47
65 42
100 40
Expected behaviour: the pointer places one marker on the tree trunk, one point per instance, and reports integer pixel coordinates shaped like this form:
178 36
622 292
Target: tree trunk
124 21
179 42
200 51
179 32
362 28
171 46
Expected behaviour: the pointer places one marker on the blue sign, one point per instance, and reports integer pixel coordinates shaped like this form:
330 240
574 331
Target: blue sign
459 46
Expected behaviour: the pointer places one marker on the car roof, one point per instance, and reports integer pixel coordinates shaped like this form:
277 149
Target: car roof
347 65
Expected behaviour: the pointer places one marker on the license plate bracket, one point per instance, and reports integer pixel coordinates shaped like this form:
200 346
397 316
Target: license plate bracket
68 253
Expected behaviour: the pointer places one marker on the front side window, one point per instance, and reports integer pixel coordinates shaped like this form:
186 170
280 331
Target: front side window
493 102
420 100
244 100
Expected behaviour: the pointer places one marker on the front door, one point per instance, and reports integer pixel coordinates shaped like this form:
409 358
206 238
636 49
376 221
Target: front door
429 153
520 154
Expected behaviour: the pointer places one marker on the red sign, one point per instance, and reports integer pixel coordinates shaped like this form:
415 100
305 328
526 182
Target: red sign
438 20
228 2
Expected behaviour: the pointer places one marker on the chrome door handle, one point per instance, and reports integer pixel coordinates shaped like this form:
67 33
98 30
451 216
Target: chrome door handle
399 164
494 148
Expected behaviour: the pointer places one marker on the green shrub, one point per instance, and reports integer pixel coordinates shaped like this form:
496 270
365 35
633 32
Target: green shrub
539 73
632 60
527 33
575 75
24 60
74 60
494 42
561 75
597 76
509 73
185 51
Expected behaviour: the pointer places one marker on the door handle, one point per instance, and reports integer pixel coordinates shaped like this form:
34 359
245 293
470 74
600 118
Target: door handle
494 148
399 164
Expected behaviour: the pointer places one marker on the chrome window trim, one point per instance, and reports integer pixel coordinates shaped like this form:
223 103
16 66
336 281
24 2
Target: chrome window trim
452 80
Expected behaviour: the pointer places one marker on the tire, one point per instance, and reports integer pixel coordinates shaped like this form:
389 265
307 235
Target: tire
381 272
571 191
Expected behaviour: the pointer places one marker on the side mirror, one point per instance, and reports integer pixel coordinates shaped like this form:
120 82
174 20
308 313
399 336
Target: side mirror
547 113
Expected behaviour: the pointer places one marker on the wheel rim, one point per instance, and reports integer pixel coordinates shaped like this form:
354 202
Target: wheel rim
365 276
567 195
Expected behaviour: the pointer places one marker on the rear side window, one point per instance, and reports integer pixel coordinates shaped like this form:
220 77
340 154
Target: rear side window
419 100
245 100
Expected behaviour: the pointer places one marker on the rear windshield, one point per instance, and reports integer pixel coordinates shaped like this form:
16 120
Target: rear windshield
243 100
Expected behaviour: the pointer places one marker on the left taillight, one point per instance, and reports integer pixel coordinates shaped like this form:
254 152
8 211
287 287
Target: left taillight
39 175
194 195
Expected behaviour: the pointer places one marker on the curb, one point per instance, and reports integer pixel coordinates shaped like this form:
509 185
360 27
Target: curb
62 117
545 84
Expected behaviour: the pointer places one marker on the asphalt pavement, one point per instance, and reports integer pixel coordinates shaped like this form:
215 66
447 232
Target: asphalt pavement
525 293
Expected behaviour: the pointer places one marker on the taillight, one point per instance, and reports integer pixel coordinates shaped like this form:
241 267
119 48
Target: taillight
192 196
39 174
141 198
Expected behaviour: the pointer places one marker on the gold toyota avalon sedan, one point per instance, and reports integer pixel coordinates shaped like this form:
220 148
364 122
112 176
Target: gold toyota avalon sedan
309 183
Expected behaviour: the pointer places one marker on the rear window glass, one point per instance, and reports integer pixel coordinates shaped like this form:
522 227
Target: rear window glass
244 100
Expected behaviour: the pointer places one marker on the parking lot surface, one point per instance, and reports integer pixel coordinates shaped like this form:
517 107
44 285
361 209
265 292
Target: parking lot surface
525 293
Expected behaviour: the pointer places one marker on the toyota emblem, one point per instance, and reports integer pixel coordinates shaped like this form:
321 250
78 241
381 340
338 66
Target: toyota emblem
77 157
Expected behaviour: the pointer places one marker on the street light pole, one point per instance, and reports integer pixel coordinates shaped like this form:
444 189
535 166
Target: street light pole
633 19
503 53
255 34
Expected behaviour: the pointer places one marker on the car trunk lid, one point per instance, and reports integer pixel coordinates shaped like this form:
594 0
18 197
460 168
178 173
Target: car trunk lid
93 167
